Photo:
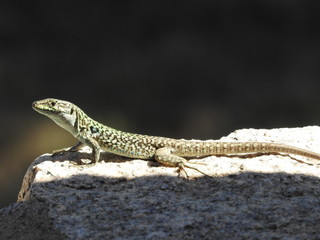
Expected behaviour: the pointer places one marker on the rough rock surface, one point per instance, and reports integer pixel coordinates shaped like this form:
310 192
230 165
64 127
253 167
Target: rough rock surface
251 197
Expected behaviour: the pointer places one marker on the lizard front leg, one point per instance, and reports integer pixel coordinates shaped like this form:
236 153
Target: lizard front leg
94 145
70 149
167 157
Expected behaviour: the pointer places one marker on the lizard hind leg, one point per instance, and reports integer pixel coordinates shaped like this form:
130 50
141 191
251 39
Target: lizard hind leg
167 157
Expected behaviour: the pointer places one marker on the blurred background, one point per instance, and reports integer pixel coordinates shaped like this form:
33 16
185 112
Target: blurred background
192 69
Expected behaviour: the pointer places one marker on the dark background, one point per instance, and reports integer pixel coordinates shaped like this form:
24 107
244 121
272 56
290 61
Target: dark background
189 69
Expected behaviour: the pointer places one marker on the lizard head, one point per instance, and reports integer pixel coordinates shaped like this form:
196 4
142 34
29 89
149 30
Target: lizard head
61 112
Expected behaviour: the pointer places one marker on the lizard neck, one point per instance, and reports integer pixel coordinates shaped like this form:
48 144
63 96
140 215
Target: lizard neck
68 122
85 127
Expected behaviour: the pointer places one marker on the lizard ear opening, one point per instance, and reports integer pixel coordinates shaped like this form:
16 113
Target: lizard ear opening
71 111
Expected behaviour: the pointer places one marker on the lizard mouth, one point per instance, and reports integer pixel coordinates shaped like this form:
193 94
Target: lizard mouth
34 105
42 108
38 107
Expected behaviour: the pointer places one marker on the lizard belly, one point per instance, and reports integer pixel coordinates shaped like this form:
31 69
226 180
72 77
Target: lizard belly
130 151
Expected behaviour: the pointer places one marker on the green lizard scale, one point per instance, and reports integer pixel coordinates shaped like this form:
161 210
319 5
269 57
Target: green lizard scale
168 151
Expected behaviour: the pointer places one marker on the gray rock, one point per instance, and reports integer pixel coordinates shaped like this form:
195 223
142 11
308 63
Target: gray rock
250 197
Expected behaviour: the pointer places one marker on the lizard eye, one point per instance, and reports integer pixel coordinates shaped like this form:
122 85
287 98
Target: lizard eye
53 104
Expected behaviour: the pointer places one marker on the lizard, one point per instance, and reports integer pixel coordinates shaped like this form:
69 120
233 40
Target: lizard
167 151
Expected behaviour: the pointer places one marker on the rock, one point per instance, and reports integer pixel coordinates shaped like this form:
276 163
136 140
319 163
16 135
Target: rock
255 197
